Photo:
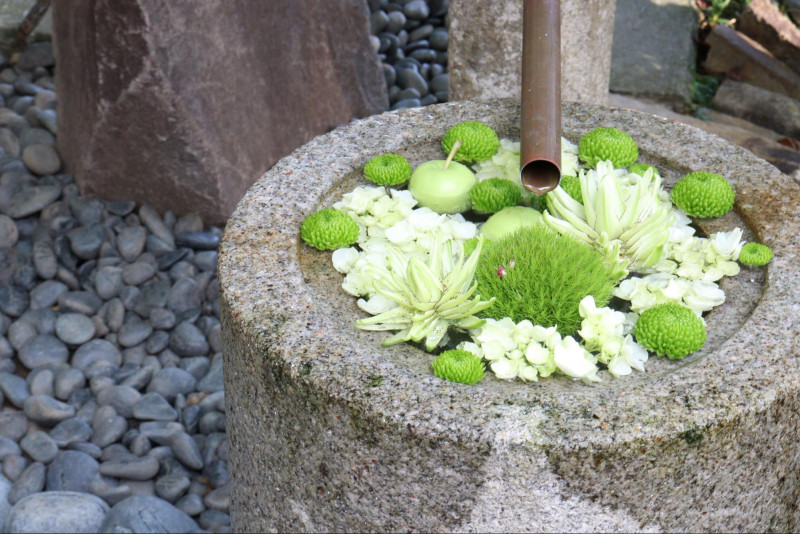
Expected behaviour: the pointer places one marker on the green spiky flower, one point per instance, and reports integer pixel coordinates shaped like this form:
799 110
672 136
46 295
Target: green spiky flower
479 141
388 169
641 168
670 330
470 245
755 255
459 366
494 194
329 229
431 297
572 185
703 194
609 144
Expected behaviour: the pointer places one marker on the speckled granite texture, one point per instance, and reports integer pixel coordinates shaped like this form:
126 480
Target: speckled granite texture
330 432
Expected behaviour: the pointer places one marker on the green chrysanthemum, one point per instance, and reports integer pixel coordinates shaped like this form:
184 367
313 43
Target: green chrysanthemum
329 229
641 168
494 194
459 366
388 169
703 194
670 330
572 185
609 144
755 255
479 142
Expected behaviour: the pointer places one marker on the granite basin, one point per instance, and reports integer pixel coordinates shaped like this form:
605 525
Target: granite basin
329 431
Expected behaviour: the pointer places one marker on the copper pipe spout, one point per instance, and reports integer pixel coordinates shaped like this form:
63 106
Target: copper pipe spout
540 132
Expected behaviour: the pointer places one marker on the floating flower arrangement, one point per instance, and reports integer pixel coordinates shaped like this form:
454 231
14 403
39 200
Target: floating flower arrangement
525 285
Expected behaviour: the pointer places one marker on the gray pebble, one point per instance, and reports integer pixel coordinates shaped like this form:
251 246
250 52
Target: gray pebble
13 300
8 446
47 411
188 340
20 332
138 379
160 432
397 19
84 302
43 349
39 446
13 466
140 445
153 222
152 295
115 314
214 380
85 241
41 159
57 511
186 450
147 514
9 235
108 282
197 240
131 241
43 318
74 328
157 342
132 333
71 470
438 39
108 429
94 351
87 211
218 499
15 389
410 78
214 520
172 486
70 431
46 294
67 381
182 269
212 422
107 489
417 10
115 452
44 259
121 398
9 142
13 425
217 472
41 381
172 381
129 295
191 504
31 481
48 119
197 366
191 222
121 207
137 273
154 407
134 468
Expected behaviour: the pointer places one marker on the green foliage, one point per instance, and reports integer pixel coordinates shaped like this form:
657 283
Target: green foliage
641 168
610 144
494 194
549 275
459 366
703 194
329 229
388 169
470 245
572 185
755 255
723 11
479 141
670 330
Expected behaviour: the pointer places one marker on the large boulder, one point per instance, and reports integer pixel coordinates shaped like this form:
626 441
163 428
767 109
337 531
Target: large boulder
184 104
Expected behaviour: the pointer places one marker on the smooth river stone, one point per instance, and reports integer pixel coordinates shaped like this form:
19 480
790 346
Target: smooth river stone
188 340
74 328
108 282
39 446
41 350
197 240
57 511
134 468
147 513
131 241
31 481
46 294
155 224
14 300
9 235
85 241
71 471
31 200
94 351
46 410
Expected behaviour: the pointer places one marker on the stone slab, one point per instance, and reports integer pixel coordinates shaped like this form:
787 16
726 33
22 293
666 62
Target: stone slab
318 442
654 51
743 59
181 104
485 49
762 21
760 106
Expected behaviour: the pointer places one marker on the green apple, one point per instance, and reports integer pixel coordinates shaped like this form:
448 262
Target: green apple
509 220
442 186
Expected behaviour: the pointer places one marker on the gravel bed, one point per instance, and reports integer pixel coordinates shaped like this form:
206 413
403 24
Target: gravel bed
113 409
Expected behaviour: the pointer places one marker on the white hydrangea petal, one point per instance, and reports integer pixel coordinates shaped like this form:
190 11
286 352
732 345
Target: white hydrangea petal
505 369
573 360
376 304
344 259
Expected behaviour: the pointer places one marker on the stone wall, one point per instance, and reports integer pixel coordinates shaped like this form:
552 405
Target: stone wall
184 104
485 50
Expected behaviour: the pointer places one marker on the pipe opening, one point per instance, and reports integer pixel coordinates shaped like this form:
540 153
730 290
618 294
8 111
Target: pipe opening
540 176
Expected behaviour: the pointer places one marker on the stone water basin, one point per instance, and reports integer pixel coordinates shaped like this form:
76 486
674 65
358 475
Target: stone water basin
329 431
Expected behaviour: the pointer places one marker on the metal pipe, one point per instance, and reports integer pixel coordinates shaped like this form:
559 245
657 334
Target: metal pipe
540 129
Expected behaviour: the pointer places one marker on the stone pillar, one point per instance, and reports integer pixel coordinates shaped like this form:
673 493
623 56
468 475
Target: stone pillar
184 104
485 49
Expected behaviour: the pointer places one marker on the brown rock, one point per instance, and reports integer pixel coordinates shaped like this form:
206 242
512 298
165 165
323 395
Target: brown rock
785 159
182 104
744 59
765 108
762 21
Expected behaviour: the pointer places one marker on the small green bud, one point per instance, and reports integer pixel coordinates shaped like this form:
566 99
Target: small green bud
459 366
479 141
610 144
329 229
755 255
670 330
388 169
494 194
703 194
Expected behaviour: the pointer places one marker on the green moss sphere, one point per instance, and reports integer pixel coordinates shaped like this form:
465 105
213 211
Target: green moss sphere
494 194
549 276
388 169
610 144
670 330
459 366
703 194
479 142
572 186
329 229
755 255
